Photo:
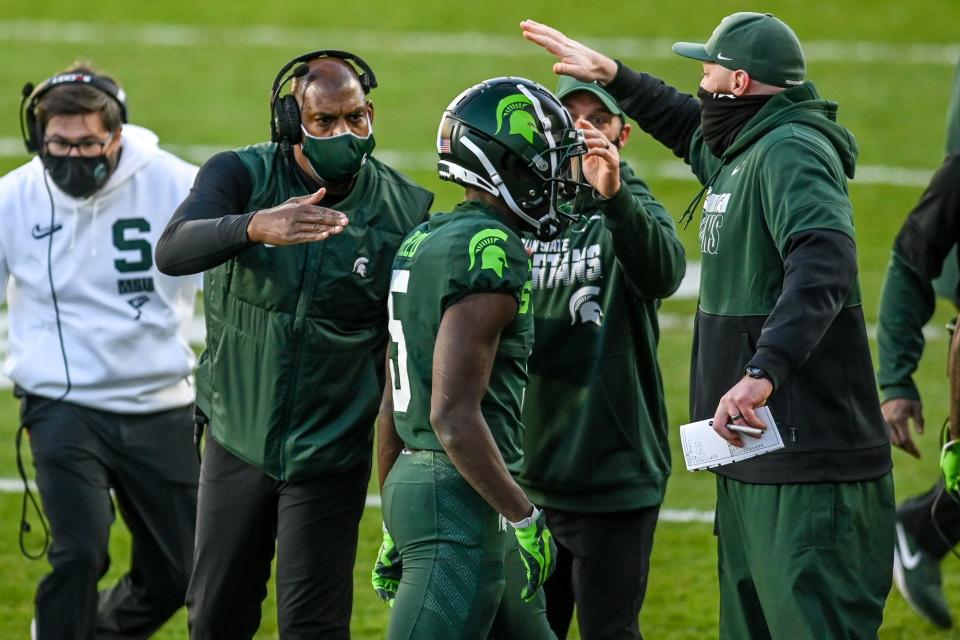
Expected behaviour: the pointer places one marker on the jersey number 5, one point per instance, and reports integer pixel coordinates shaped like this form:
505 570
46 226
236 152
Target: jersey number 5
401 377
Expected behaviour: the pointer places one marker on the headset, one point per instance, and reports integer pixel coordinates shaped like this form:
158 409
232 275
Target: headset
30 98
285 111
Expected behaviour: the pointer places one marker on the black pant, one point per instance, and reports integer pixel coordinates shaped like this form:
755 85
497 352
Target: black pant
80 454
243 515
602 565
918 519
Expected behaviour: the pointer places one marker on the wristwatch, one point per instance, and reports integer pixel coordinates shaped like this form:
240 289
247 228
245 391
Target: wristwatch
758 373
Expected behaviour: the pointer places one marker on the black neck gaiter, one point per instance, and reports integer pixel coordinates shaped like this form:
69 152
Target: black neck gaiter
723 116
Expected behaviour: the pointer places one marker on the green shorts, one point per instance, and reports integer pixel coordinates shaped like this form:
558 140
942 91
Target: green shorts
804 560
451 545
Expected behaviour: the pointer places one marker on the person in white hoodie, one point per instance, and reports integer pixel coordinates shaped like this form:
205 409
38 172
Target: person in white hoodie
98 355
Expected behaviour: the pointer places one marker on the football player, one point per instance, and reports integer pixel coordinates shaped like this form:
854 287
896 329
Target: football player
461 329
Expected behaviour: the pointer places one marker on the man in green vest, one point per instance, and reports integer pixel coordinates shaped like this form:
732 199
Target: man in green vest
805 534
296 238
596 451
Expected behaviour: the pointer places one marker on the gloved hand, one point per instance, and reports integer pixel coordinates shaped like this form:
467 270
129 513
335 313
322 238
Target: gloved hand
388 570
950 465
537 550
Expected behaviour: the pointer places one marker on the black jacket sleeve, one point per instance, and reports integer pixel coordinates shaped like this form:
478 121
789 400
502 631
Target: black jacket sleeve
908 298
207 230
668 115
820 269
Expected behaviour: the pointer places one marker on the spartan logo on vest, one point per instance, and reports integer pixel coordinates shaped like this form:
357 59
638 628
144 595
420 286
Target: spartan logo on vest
712 221
584 307
360 266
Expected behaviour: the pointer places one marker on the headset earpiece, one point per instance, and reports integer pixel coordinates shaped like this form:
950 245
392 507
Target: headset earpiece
286 119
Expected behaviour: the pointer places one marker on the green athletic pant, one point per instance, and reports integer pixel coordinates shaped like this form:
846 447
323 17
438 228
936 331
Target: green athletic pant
452 548
804 561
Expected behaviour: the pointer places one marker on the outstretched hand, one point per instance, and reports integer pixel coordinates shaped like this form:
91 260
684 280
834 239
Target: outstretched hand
575 59
300 219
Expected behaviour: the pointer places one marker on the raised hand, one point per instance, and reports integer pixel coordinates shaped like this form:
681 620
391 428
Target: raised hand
574 58
601 163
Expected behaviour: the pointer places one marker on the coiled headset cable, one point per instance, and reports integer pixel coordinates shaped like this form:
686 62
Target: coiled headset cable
28 497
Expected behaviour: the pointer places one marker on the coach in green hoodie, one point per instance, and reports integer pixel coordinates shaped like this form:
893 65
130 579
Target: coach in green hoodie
806 533
595 399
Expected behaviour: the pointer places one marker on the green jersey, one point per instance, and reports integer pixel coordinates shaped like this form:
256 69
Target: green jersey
442 261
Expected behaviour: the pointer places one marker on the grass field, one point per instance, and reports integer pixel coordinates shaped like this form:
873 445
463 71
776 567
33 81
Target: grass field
199 73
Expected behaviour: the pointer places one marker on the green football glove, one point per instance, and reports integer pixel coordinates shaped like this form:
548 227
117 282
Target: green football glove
388 570
537 550
950 465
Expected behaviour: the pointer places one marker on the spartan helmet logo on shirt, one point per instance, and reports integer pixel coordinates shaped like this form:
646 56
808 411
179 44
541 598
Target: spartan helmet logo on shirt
360 266
492 255
584 308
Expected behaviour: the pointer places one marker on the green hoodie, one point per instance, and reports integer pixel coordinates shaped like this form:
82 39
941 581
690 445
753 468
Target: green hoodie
779 291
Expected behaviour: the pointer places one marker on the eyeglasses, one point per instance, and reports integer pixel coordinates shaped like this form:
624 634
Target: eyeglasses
86 148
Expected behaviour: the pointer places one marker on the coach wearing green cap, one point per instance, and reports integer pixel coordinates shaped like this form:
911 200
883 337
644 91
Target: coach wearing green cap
805 534
596 455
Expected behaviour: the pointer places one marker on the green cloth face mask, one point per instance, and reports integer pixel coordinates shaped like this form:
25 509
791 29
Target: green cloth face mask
337 158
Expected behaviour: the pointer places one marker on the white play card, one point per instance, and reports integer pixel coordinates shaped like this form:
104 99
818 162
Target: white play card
703 448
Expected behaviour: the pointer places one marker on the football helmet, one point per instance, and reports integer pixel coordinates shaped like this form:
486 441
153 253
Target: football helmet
513 139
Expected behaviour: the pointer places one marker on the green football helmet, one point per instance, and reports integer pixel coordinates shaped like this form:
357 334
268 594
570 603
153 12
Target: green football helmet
513 139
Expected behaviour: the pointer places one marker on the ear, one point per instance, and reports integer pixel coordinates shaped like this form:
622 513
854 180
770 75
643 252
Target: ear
624 134
741 82
370 111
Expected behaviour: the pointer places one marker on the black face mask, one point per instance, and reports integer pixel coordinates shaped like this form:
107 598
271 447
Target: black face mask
723 116
80 177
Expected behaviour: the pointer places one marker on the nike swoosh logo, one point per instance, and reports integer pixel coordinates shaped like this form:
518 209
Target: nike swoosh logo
720 56
736 171
586 222
907 559
39 232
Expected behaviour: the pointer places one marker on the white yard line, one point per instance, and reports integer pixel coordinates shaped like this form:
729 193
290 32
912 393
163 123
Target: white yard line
506 44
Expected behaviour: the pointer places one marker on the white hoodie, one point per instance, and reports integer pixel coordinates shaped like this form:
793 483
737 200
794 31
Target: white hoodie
123 322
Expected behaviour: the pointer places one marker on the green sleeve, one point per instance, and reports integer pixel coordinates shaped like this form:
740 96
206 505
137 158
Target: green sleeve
485 259
644 238
906 304
802 188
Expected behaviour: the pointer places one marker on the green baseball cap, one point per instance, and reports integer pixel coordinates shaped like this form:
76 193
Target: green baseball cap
568 85
759 43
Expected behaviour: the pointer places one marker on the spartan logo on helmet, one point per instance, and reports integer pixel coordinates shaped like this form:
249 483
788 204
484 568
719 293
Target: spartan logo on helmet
522 122
492 255
360 266
584 307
